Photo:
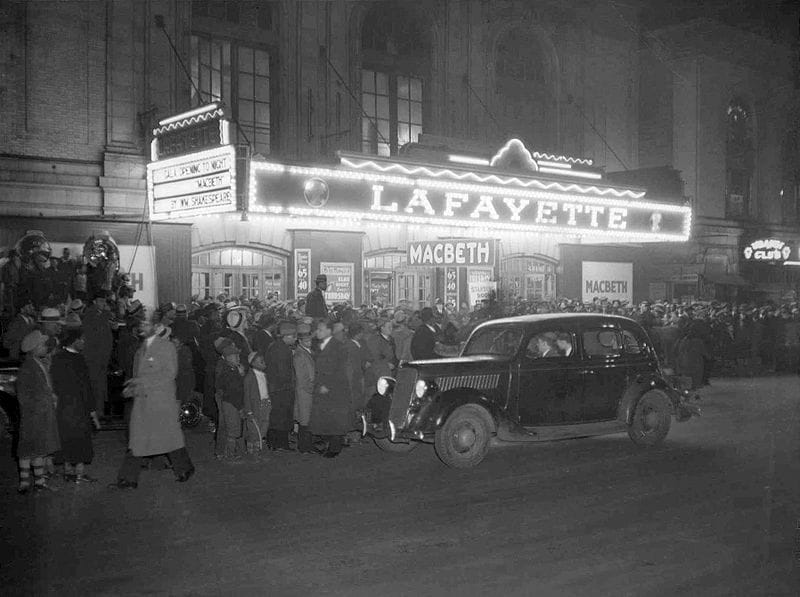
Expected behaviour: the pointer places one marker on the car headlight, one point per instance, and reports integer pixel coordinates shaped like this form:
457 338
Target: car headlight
420 388
385 385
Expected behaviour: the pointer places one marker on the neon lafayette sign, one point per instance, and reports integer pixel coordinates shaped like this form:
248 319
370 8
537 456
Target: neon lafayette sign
767 250
427 195
482 207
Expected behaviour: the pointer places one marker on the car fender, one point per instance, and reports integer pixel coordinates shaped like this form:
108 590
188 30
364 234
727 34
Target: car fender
443 405
627 405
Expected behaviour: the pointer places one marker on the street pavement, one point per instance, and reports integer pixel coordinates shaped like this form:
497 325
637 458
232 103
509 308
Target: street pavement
714 511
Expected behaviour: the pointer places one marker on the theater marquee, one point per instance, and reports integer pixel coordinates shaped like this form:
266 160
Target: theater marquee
193 167
385 191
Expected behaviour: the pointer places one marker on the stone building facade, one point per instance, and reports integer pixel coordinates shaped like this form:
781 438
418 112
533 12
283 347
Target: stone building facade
84 84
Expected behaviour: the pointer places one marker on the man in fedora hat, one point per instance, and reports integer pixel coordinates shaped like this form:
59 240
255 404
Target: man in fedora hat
99 341
280 375
154 425
331 412
230 384
21 325
184 328
50 322
315 301
304 373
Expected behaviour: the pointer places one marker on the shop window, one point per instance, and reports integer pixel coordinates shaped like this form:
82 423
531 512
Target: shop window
396 62
239 76
201 285
238 272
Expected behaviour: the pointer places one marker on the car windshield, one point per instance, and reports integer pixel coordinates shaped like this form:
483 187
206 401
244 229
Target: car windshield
494 340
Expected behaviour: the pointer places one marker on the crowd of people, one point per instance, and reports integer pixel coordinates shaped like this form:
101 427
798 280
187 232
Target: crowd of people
293 375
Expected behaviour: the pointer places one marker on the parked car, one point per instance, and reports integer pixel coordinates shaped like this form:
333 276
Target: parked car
9 407
532 378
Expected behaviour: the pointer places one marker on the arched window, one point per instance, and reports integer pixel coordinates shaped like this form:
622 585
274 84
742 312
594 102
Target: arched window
738 159
525 89
238 272
395 50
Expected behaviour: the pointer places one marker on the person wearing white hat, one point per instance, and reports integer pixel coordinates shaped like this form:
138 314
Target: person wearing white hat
38 430
236 320
51 322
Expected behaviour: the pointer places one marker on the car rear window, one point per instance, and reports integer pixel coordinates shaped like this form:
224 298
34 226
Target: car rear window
494 341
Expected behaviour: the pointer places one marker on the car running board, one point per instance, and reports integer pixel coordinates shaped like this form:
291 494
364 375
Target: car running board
549 433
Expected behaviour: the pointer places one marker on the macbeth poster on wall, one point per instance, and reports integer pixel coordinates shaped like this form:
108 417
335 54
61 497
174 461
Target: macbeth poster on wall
607 280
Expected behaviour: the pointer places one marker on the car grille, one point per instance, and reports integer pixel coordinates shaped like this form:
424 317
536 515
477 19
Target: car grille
478 382
403 392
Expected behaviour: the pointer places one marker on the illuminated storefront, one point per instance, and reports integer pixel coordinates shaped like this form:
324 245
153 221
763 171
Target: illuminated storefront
390 230
456 231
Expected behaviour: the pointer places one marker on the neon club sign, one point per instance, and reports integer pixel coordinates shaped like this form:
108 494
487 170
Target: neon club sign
767 250
370 190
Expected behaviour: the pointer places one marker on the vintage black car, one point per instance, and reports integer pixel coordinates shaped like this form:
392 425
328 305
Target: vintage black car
531 379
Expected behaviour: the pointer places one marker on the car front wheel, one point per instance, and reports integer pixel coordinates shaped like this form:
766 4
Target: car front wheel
651 419
463 440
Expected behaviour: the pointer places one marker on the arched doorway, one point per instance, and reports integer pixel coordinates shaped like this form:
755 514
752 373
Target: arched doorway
238 272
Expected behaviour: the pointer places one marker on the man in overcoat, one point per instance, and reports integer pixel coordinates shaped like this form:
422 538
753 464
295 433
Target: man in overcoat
315 300
331 417
99 341
280 377
424 340
263 335
154 426
304 371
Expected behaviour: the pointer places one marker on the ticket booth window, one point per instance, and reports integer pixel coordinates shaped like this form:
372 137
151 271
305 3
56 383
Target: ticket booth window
532 278
388 275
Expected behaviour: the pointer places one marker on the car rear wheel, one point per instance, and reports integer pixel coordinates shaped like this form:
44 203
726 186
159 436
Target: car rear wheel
463 440
651 419
387 445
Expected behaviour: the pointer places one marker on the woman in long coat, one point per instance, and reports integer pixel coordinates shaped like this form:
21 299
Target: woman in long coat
38 428
154 426
331 417
75 406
